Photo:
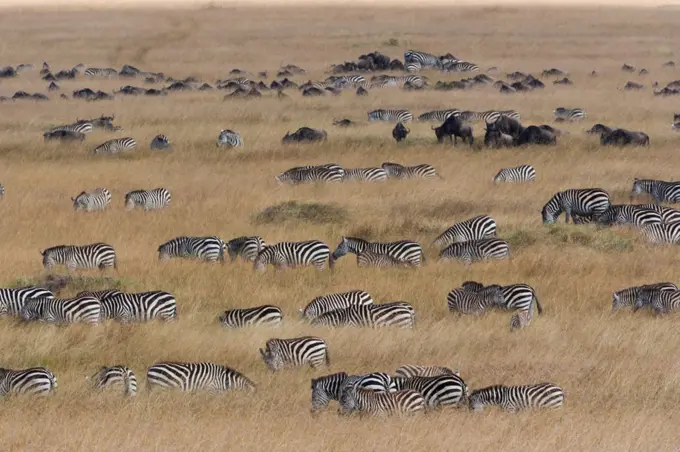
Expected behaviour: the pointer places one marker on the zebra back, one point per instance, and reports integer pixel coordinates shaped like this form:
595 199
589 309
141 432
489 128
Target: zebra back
257 316
33 381
114 376
331 302
189 377
62 311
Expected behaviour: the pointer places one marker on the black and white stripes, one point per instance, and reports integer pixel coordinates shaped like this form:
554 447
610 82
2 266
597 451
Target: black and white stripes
390 115
406 251
190 377
296 352
438 391
570 114
294 254
399 314
355 398
245 247
207 249
438 116
100 72
96 255
139 307
661 191
397 171
476 250
116 146
229 139
515 398
33 381
585 201
157 198
12 300
62 311
425 60
327 303
475 228
116 376
99 199
522 173
258 316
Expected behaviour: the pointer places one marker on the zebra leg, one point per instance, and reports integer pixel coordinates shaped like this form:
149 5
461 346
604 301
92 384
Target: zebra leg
567 215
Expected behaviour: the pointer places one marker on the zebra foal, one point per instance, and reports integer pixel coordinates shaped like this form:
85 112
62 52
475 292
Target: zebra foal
661 191
246 247
397 171
468 302
661 233
158 198
406 252
229 139
515 398
661 301
390 115
295 352
437 391
108 376
258 316
191 377
33 381
99 199
96 255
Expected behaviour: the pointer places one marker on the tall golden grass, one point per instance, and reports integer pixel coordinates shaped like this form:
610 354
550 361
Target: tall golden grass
619 370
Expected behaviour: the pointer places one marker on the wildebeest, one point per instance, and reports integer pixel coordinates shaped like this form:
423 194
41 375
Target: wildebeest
305 134
633 86
494 138
622 137
400 132
509 126
343 122
453 128
599 129
361 91
63 135
536 135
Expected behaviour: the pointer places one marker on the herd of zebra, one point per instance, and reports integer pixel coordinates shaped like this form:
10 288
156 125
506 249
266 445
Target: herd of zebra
100 198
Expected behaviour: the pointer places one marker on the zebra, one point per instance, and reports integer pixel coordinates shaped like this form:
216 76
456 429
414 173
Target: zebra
475 228
437 391
100 295
426 60
139 307
397 171
398 314
96 255
369 258
115 146
520 297
261 315
522 173
406 251
246 247
200 376
468 302
83 127
12 300
295 352
621 214
331 302
352 81
376 382
413 67
2 191
514 398
459 66
582 201
116 375
62 311
521 319
100 72
311 175
229 138
99 199
477 250
661 233
160 142
207 249
390 115
668 214
157 198
355 398
294 254
365 174
411 370
328 166
439 116
570 114
386 81
33 381
661 191
661 301
489 116
626 297
325 389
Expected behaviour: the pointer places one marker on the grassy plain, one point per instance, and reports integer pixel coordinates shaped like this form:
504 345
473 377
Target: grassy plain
620 371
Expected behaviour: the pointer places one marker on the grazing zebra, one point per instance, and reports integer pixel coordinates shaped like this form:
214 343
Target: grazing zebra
246 247
96 255
397 171
425 59
310 175
406 251
160 142
100 72
208 249
296 352
475 303
190 377
386 81
390 115
522 173
520 297
668 214
437 391
398 314
99 199
621 214
521 319
477 250
116 375
158 198
229 138
366 259
294 254
438 116
582 201
581 219
115 146
33 381
475 228
261 315
83 127
489 116
355 398
325 389
413 67
328 166
569 114
459 66
661 191
62 311
411 370
12 300
514 398
365 174
376 381
331 302
139 307
626 297
661 233
661 301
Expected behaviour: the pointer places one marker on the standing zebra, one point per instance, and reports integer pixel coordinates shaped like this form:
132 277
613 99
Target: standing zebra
261 315
207 249
34 381
246 247
514 398
367 258
296 352
365 174
100 72
100 295
310 175
355 398
475 303
190 377
437 391
475 228
570 114
325 389
158 198
294 254
12 300
411 370
230 139
62 311
426 60
398 171
331 302
661 233
459 66
96 255
160 142
390 115
116 375
385 81
661 301
522 173
406 251
627 297
438 116
413 66
398 314
115 146
668 214
99 199
489 116
581 201
622 214
661 191
2 191
80 127
376 382
139 307
477 250
520 297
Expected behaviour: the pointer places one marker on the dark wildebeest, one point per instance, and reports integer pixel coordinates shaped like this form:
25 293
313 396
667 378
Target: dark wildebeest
453 128
494 138
305 134
63 135
399 132
535 135
600 129
509 126
343 122
622 137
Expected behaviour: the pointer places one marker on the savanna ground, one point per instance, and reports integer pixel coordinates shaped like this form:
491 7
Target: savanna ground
620 371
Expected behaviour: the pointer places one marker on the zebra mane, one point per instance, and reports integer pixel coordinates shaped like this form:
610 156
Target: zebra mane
56 248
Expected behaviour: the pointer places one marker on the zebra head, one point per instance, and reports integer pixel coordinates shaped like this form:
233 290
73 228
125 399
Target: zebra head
637 187
643 298
48 259
549 211
348 398
30 310
80 201
272 356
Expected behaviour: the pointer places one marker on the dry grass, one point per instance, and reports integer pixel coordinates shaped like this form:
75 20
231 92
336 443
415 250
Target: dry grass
620 371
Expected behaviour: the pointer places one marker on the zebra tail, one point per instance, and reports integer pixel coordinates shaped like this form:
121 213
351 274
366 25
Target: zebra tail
422 256
328 358
538 305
